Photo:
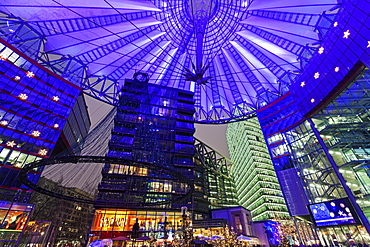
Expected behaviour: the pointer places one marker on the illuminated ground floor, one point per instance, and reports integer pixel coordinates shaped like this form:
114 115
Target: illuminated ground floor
112 223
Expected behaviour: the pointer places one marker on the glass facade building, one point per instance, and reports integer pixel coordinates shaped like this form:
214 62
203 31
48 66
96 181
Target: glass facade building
153 125
257 187
317 133
34 107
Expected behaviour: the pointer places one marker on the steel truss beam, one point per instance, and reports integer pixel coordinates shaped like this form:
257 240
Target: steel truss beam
66 26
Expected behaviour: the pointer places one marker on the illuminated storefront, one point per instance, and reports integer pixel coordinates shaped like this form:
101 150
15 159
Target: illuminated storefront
112 223
14 217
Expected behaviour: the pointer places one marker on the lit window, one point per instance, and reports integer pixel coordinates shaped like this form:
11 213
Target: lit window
43 152
30 74
23 96
3 56
36 133
11 143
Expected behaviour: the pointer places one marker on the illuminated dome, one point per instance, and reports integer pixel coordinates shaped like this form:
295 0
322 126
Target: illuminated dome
236 56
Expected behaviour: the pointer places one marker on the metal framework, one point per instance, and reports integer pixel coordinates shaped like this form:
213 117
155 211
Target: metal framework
232 53
162 173
213 175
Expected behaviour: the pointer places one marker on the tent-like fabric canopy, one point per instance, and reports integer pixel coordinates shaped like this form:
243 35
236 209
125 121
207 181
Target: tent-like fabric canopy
246 53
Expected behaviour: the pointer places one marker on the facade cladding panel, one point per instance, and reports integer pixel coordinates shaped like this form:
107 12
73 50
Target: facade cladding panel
34 108
320 130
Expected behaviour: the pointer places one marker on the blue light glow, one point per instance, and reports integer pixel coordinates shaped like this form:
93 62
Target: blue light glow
267 40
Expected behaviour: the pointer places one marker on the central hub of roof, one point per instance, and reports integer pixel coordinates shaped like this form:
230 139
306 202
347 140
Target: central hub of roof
201 10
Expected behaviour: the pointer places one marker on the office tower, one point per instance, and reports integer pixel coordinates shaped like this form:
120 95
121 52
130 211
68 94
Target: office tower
75 130
153 133
257 187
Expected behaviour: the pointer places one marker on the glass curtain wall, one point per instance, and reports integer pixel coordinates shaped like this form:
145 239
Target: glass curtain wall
344 126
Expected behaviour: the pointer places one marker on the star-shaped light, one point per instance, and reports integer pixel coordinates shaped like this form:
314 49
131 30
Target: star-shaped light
368 44
23 96
56 98
303 83
17 78
312 100
3 56
11 143
321 50
346 34
317 75
335 24
43 152
4 122
56 125
30 74
36 133
336 69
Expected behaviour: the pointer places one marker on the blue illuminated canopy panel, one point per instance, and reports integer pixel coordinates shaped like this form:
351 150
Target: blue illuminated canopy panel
252 51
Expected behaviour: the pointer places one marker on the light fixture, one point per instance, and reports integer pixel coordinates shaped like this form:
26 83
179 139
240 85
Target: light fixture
56 98
346 34
312 100
11 143
36 133
368 44
335 24
43 152
317 75
303 83
4 122
17 78
321 50
30 74
23 96
336 69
